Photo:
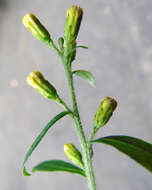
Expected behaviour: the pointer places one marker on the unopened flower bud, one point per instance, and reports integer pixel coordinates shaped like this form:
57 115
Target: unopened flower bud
38 82
32 23
72 54
104 112
73 21
73 154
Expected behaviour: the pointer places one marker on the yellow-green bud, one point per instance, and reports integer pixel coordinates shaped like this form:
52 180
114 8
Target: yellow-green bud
73 21
32 23
38 82
72 53
104 112
73 154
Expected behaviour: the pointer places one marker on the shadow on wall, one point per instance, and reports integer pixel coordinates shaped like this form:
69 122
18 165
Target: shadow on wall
3 4
3 8
3 11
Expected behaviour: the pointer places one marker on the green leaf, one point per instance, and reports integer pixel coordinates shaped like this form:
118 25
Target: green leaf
57 165
85 75
84 47
137 149
72 50
39 138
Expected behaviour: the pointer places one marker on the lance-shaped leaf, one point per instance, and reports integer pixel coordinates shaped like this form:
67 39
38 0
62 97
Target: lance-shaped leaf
82 46
85 75
137 149
39 138
58 165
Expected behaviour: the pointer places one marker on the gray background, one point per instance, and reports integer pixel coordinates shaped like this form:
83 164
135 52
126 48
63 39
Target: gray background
119 36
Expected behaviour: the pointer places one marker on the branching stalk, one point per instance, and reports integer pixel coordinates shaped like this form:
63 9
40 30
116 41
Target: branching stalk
54 47
137 149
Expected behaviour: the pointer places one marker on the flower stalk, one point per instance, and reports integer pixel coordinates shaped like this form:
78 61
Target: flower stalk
86 154
67 53
73 21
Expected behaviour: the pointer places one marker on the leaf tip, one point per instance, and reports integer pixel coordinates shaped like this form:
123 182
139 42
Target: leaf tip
93 84
25 172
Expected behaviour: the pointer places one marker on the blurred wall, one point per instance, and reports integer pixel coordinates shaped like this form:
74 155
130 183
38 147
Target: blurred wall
118 34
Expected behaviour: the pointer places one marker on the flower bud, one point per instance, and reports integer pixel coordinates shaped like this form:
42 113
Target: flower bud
72 53
37 81
32 23
104 112
73 21
73 154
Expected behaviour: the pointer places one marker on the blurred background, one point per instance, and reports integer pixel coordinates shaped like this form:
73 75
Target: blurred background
119 36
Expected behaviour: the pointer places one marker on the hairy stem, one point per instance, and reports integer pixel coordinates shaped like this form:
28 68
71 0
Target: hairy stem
54 47
86 154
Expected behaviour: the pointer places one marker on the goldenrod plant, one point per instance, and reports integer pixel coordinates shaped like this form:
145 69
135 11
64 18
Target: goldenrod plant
136 149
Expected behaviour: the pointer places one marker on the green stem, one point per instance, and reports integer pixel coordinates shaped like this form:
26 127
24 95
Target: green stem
54 47
83 142
92 135
63 104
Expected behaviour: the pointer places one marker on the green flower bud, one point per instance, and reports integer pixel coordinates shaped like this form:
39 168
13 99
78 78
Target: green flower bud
73 154
72 53
37 81
104 112
32 23
73 21
61 42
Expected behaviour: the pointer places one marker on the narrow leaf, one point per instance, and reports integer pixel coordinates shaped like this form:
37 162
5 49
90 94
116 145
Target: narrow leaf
39 138
85 75
57 165
84 47
137 149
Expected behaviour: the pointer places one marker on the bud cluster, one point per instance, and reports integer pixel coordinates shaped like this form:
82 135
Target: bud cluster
66 49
